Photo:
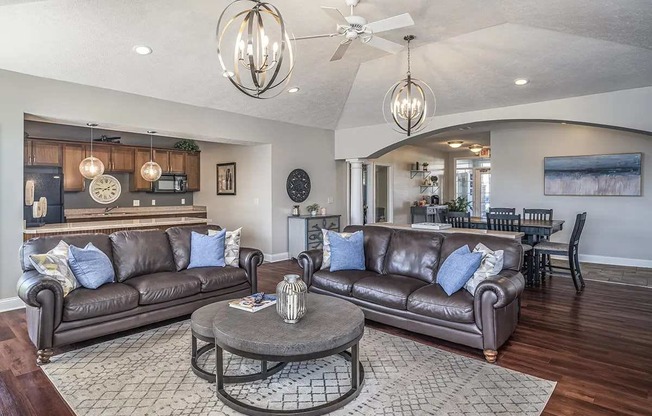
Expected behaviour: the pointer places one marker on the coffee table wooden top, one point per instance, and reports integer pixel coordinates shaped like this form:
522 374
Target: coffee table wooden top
329 324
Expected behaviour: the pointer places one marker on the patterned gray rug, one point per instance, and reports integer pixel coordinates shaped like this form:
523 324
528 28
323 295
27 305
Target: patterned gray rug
149 374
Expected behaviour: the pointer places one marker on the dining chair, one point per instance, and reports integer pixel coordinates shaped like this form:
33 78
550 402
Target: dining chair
571 250
512 223
538 214
459 219
502 210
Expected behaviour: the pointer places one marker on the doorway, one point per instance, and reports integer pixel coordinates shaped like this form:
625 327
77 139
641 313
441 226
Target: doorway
382 208
473 182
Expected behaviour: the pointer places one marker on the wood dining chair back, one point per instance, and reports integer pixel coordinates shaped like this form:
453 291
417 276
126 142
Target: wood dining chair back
502 210
459 219
504 222
537 214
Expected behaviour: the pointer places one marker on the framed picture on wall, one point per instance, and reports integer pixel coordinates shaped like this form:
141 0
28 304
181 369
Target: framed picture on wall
226 179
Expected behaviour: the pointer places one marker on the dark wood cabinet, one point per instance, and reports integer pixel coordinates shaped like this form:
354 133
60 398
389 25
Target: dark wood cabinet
42 153
141 156
176 162
162 157
102 152
73 154
122 159
193 171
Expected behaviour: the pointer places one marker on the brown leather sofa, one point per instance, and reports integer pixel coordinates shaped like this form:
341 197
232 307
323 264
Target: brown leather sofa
152 284
399 286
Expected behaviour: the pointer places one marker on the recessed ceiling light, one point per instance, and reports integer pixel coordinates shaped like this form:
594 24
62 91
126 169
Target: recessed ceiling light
227 74
455 143
293 90
521 81
142 50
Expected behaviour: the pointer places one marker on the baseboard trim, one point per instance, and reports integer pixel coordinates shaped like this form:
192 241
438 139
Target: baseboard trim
10 304
614 261
273 258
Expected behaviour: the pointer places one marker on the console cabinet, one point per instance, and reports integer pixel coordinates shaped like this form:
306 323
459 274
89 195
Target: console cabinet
304 232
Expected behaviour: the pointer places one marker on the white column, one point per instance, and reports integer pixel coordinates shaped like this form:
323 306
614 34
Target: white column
356 191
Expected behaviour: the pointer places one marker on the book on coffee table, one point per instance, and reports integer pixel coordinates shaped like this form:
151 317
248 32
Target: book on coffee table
248 303
431 226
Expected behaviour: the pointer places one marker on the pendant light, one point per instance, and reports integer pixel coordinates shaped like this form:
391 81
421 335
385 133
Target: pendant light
410 102
91 167
151 171
255 39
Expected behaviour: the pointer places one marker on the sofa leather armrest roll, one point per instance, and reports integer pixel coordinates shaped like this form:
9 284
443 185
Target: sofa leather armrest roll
250 260
310 261
45 296
507 286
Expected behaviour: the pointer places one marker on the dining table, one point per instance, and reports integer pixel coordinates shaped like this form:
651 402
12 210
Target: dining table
534 230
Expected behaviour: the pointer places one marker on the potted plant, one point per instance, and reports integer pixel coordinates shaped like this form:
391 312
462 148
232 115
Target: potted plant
187 145
459 204
313 209
425 166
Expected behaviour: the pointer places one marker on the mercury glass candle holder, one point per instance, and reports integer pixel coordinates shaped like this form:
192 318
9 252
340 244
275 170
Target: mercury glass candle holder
291 298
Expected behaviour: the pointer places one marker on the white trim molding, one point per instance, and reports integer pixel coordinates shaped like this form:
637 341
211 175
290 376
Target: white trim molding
613 261
9 304
275 257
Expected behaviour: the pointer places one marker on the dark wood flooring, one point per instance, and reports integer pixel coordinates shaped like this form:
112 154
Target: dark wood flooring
596 345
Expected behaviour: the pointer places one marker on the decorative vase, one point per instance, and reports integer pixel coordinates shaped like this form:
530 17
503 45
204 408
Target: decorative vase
291 298
313 213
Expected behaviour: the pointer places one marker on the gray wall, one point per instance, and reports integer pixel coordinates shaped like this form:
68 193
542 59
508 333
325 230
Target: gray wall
618 229
70 103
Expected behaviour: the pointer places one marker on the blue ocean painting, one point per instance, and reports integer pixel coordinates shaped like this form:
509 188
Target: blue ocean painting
598 175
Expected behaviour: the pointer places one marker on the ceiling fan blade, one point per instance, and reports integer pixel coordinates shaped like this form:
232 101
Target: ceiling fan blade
385 45
396 22
330 35
340 51
336 15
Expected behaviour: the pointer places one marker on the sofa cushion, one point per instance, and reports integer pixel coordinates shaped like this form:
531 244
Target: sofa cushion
376 242
389 290
432 301
106 300
207 250
163 287
91 267
179 238
136 253
513 251
414 254
216 278
339 282
347 253
41 245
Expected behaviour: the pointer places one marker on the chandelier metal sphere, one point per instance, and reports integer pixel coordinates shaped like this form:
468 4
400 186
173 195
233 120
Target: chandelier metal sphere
257 39
151 171
91 167
409 103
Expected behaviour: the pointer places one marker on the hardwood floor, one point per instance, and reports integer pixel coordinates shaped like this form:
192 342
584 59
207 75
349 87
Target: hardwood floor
596 345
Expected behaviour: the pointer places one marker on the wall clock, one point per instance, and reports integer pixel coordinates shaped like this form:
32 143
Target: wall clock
105 189
298 185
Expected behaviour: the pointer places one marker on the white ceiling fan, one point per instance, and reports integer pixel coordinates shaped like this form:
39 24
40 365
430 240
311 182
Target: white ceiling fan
356 27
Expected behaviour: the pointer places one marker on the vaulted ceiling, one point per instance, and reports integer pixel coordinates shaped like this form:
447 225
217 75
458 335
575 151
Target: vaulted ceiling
469 51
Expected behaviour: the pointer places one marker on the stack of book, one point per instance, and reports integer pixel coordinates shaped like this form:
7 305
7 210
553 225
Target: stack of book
254 303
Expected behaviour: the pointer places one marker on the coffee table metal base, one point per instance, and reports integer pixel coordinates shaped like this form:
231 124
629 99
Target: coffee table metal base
196 354
357 381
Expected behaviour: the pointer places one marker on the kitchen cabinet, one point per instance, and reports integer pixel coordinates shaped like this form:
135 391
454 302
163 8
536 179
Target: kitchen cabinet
73 154
122 159
141 156
162 157
102 152
177 162
42 153
193 171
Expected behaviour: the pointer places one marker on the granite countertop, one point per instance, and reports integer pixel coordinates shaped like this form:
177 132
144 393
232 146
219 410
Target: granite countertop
109 224
126 212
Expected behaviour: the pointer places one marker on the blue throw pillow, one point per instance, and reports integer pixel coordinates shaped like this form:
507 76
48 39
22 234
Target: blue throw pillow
457 269
91 267
347 253
207 250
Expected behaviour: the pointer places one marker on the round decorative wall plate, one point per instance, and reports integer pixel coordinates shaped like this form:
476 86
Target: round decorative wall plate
298 185
105 189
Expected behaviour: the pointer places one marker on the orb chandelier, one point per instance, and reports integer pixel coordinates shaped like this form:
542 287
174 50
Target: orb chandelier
151 171
91 167
409 103
258 40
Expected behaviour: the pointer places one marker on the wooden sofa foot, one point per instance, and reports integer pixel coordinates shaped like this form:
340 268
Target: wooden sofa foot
43 356
490 356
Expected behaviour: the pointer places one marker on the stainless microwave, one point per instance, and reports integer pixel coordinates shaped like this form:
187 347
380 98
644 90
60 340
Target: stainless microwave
169 183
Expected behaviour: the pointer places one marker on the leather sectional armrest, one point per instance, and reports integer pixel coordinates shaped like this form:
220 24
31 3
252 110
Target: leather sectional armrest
250 259
507 286
31 283
310 261
46 295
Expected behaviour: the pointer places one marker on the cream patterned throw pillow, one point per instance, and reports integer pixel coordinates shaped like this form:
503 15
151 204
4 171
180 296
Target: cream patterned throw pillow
326 257
231 246
54 264
491 265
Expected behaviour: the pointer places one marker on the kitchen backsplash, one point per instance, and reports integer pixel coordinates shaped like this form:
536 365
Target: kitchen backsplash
84 200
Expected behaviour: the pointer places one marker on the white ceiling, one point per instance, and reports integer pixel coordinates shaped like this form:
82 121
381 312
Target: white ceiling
469 51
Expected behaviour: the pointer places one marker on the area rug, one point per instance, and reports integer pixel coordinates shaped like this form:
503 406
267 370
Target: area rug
148 373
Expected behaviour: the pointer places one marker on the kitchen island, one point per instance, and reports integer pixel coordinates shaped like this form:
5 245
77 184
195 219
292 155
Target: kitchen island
110 226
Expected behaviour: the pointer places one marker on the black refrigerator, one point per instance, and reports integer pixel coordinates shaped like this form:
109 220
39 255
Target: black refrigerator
48 182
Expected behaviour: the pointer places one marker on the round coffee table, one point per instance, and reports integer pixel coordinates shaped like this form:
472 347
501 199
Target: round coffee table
331 326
